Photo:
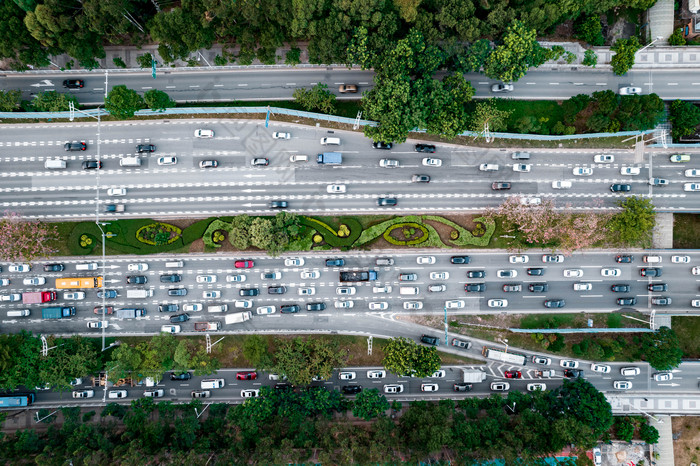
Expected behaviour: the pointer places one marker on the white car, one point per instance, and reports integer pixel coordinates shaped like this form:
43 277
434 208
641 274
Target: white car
243 304
601 368
425 260
573 273
432 162
604 158
12 297
170 329
498 303
695 270
270 275
556 258
507 273
382 289
500 386
294 262
236 278
533 387
83 394
522 167
630 371
519 259
454 304
98 325
345 290
138 267
311 275
117 394
298 158
531 200
622 385
568 364
630 171
429 387
249 393
344 304
378 306
376 374
583 171
74 295
501 87
561 184
279 135
204 133
347 375
389 163
393 388
156 393
439 275
680 259
413 305
692 173
4 281
597 456
192 307
439 374
206 278
663 376
630 90
541 360
583 286
336 188
19 268
307 291
264 310
35 281
167 160
610 272
116 192
691 187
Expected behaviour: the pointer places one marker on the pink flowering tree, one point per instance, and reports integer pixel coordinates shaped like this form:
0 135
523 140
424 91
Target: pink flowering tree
25 240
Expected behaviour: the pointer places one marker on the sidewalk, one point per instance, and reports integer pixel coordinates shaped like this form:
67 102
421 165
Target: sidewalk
665 446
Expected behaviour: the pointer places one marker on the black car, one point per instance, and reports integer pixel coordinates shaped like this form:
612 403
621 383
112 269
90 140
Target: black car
136 280
624 259
335 262
386 201
538 287
382 145
177 292
535 271
72 146
290 309
555 303
651 272
512 287
428 148
145 148
54 268
571 373
661 301
276 290
315 307
475 287
429 340
626 301
108 294
184 317
248 292
500 185
73 83
91 165
168 308
352 389
283 386
420 179
171 278
460 260
476 274
620 188
462 387
657 287
278 204
183 376
620 288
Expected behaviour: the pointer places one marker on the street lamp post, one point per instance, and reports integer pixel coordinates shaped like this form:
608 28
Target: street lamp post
650 43
505 342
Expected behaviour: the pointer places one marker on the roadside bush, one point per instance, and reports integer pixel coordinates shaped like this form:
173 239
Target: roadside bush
406 242
590 29
677 38
118 62
648 434
590 58
624 428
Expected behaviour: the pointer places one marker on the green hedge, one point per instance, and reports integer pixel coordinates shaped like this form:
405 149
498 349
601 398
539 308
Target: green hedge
465 236
215 225
330 235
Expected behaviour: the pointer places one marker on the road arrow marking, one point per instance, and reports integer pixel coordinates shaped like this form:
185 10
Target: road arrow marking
44 83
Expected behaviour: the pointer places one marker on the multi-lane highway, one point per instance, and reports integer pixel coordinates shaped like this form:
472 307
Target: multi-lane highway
235 186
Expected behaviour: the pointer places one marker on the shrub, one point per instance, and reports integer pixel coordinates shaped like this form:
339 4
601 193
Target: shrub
677 38
590 58
454 234
293 56
220 61
624 428
406 242
145 60
119 62
158 234
648 434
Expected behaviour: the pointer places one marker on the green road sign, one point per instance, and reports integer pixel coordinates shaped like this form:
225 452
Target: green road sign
153 69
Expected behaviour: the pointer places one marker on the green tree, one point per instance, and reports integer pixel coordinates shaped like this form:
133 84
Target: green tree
158 100
180 31
403 356
317 98
16 43
10 100
662 349
486 112
145 60
123 103
590 29
426 427
52 101
239 235
256 352
449 97
623 59
579 400
262 234
677 39
648 434
634 225
624 428
369 404
590 58
685 118
511 59
474 57
302 359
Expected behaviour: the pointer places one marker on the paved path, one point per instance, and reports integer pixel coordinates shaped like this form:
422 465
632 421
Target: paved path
660 20
665 446
662 236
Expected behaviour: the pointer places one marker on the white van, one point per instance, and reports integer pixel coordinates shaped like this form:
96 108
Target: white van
55 164
212 383
330 141
175 264
408 290
652 259
488 167
88 266
218 308
130 161
18 313
139 293
298 158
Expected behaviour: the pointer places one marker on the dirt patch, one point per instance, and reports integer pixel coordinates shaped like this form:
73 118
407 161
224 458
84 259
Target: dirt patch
686 439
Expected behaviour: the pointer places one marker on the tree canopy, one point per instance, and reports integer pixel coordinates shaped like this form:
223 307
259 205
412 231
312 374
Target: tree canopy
404 357
662 349
634 225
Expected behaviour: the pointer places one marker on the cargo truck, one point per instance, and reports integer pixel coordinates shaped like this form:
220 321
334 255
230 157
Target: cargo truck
57 312
207 326
139 293
38 297
362 276
238 317
473 375
130 313
330 158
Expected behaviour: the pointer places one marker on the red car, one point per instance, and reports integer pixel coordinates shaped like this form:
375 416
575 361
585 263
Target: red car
246 375
246 264
513 374
98 310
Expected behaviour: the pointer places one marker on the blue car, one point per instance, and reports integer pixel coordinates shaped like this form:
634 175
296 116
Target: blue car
109 294
335 262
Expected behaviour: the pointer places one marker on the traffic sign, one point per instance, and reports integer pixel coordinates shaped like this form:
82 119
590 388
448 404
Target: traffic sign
153 68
